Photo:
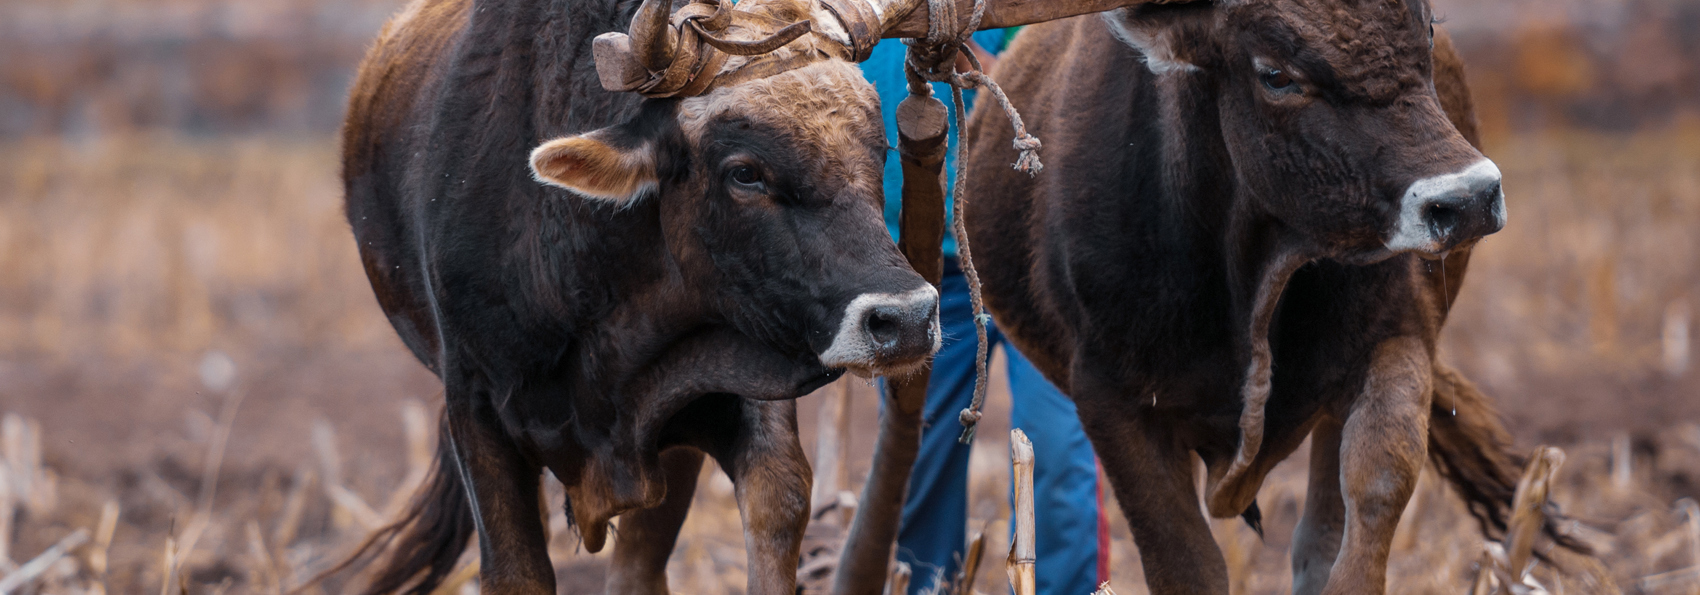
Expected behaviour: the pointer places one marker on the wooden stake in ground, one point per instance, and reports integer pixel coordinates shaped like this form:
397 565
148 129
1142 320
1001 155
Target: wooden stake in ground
1022 555
832 449
921 147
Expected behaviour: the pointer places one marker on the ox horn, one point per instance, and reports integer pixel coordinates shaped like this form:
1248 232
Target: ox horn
653 39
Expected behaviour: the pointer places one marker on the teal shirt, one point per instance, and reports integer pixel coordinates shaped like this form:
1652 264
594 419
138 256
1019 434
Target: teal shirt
884 68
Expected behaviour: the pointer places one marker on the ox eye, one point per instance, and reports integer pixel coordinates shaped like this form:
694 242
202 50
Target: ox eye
745 175
1278 81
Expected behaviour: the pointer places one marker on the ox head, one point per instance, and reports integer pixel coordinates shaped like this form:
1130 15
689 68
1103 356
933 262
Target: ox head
770 197
1331 119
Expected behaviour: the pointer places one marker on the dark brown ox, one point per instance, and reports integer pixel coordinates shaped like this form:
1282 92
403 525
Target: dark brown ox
664 275
1254 218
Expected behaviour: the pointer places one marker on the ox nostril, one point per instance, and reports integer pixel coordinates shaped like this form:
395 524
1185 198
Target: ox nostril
1442 219
882 332
1440 212
884 325
1488 195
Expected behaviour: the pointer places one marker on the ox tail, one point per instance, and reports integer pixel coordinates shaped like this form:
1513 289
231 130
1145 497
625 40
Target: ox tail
1473 451
428 538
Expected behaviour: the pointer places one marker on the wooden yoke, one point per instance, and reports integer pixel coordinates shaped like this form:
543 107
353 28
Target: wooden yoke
1011 13
921 144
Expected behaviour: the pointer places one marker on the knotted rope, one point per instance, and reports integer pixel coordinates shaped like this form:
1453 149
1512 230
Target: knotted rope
933 60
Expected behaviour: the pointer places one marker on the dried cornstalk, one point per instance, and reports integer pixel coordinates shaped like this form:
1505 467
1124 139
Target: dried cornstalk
31 485
7 511
460 577
330 458
1529 511
899 583
1022 556
350 507
214 460
1687 576
970 565
265 576
1659 582
293 507
1622 462
103 542
33 568
415 423
168 585
1691 510
355 507
1486 584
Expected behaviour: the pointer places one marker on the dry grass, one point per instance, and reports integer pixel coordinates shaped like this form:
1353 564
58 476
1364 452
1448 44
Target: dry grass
1578 315
143 244
258 544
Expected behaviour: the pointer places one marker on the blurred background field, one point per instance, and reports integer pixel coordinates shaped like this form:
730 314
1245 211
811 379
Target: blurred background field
187 342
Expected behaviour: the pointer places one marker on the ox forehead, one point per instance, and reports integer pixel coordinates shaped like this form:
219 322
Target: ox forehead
1371 49
826 110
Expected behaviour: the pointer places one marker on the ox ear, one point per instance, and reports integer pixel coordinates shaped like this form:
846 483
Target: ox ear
1170 37
603 165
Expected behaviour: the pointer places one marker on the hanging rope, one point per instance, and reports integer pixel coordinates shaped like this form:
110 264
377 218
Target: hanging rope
933 60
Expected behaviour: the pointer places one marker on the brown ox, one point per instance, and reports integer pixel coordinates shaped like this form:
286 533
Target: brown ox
1254 218
652 288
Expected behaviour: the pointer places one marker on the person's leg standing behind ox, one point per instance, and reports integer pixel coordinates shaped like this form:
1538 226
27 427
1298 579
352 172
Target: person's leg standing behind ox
1073 534
1073 537
935 515
1073 548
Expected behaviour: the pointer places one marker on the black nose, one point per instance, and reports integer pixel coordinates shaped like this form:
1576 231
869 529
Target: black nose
885 332
901 331
1457 218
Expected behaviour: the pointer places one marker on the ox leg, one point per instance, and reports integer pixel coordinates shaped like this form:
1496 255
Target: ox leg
771 477
1383 445
513 552
647 536
1316 541
1154 483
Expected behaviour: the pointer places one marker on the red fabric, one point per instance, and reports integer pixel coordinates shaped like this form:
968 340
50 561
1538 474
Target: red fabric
1103 526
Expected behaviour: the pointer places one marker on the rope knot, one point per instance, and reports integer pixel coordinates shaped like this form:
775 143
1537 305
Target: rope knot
1028 161
969 417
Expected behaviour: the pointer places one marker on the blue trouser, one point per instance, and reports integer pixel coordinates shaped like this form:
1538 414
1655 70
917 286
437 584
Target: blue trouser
1072 543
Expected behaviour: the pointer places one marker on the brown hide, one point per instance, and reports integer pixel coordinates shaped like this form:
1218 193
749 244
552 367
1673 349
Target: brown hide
611 337
1117 272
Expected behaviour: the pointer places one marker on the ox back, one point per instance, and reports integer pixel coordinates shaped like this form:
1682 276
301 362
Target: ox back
1114 272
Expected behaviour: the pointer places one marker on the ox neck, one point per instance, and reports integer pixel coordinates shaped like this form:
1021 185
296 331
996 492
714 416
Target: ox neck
522 73
1200 202
1208 209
